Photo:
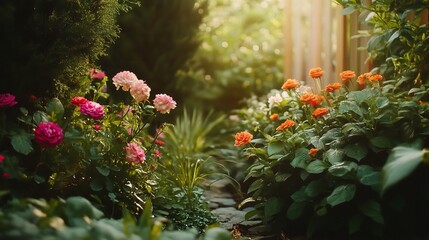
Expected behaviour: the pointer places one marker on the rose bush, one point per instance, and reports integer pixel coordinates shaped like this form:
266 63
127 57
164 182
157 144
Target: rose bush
336 160
102 152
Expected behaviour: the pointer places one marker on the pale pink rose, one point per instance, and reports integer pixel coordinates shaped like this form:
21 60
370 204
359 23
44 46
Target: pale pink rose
140 91
97 74
92 109
124 79
48 134
134 153
164 103
7 100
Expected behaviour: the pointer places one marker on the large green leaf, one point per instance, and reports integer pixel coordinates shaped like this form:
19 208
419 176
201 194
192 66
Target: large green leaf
316 187
295 210
273 206
334 155
21 142
356 150
372 209
360 96
341 194
55 110
301 158
349 106
217 233
382 142
274 147
316 166
342 168
400 164
368 176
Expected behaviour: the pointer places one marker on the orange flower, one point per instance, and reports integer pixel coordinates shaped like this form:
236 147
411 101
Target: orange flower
290 84
347 75
312 99
285 125
274 116
316 72
318 112
332 87
375 78
313 152
242 138
362 79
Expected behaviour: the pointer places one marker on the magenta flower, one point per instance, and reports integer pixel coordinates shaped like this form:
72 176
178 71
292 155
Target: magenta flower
134 153
140 91
124 79
92 109
7 100
77 101
2 158
97 74
48 134
164 103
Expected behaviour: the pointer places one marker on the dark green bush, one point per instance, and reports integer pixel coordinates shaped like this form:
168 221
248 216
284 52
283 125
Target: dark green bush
47 47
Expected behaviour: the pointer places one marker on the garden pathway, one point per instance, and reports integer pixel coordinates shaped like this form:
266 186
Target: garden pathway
224 207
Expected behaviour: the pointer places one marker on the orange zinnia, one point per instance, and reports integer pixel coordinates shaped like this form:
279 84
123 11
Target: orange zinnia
311 99
316 72
347 75
242 138
313 152
318 112
274 116
332 87
362 79
290 84
375 78
285 125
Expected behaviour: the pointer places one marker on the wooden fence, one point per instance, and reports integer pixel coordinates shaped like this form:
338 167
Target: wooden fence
318 35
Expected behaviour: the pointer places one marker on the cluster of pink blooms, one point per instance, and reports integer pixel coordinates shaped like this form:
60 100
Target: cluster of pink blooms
48 134
7 100
139 90
89 108
134 153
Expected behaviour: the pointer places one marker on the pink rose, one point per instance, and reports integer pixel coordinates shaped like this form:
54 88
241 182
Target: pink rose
140 91
2 158
7 100
97 74
134 153
124 79
164 103
77 101
92 109
48 134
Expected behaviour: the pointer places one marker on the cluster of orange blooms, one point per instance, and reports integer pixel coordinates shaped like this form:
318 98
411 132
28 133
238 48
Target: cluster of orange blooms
242 138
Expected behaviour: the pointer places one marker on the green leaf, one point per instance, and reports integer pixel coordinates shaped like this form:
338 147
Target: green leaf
274 147
295 210
55 110
356 151
360 96
272 207
281 177
300 195
316 166
96 184
382 102
103 170
316 187
368 176
217 233
342 168
394 36
21 142
341 194
382 142
348 10
355 223
301 158
400 163
255 185
349 106
39 117
372 209
334 155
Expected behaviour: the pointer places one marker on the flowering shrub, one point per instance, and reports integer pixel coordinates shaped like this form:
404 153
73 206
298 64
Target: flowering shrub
335 160
101 152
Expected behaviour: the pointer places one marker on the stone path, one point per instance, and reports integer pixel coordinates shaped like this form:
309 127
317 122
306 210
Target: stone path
224 207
